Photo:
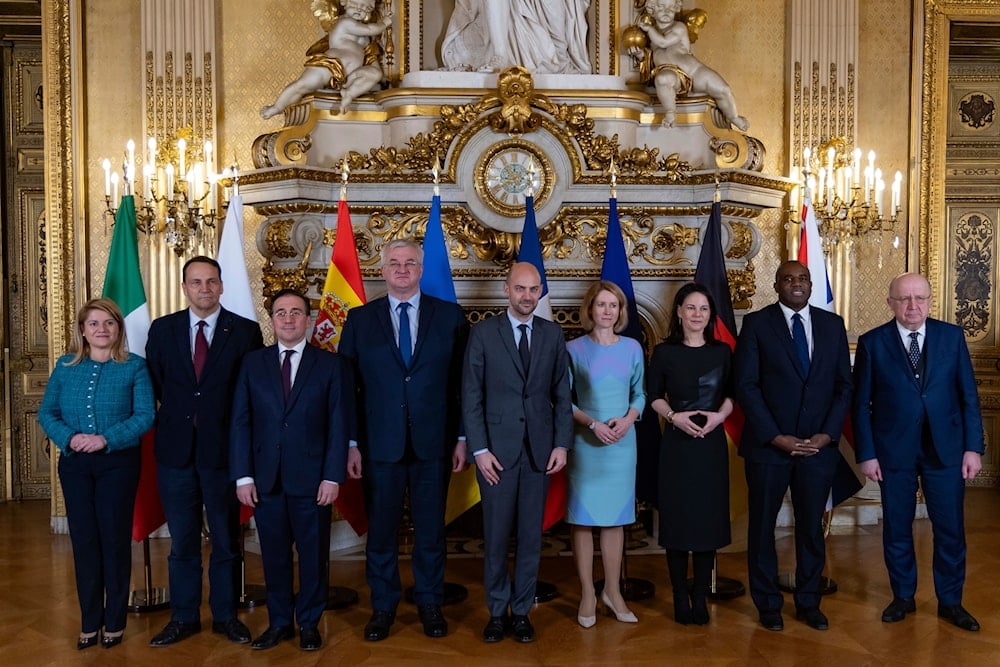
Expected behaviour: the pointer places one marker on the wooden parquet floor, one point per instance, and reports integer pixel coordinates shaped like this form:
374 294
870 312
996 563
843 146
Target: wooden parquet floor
39 617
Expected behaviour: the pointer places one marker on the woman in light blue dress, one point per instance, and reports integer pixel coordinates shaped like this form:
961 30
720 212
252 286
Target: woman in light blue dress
607 376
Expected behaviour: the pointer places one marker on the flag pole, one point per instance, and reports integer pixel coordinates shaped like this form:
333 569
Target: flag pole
340 597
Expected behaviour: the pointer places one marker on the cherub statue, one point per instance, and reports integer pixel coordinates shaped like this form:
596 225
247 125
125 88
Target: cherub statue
675 70
350 60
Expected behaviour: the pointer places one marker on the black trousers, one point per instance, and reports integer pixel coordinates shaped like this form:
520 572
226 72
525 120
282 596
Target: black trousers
99 489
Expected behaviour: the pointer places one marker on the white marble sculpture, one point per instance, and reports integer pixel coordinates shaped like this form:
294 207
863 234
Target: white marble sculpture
676 70
544 36
347 64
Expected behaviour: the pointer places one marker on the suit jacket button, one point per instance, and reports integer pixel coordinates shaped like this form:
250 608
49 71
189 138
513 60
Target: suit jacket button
406 379
521 419
197 393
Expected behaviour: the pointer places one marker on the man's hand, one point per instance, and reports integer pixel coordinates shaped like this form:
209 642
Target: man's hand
794 446
489 467
247 494
327 493
872 470
459 456
354 463
819 441
557 461
971 463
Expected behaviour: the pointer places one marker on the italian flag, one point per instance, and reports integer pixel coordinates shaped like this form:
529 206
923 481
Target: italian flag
123 285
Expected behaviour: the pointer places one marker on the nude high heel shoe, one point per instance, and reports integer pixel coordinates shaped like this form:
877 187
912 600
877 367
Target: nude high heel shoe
623 617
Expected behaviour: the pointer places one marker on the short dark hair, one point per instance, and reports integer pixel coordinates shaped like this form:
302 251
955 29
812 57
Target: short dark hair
293 292
200 259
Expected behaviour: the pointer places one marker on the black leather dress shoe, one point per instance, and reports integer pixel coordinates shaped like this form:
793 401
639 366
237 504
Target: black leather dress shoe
378 625
957 615
309 639
771 620
495 629
898 609
86 642
174 632
272 637
814 618
434 623
524 632
233 629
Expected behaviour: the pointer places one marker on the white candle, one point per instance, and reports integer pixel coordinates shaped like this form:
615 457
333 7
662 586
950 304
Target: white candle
856 167
848 180
209 162
879 193
190 187
147 177
212 181
130 170
151 156
806 154
114 187
181 149
170 182
106 165
822 183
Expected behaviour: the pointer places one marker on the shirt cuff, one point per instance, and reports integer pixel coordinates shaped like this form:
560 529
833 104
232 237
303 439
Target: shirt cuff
244 481
326 481
480 451
352 443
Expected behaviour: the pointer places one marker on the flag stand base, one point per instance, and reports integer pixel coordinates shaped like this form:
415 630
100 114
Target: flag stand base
341 597
453 593
148 599
786 583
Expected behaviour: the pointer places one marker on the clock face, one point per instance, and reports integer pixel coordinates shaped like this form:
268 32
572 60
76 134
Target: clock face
510 170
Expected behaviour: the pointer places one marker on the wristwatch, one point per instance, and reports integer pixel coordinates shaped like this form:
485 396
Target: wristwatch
670 416
592 425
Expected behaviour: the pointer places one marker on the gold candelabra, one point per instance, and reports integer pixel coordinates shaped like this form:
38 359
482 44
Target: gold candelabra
183 198
848 200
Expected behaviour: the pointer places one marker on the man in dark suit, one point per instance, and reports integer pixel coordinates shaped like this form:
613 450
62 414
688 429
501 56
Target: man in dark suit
288 457
406 349
793 381
518 419
916 414
193 357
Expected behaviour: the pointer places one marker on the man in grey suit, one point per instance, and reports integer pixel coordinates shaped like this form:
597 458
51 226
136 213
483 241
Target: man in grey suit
519 425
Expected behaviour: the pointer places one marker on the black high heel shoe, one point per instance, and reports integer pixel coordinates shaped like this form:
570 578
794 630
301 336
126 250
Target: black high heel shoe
109 641
86 642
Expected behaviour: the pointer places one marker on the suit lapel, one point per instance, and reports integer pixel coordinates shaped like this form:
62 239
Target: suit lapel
896 351
306 365
182 337
780 327
507 339
385 326
423 325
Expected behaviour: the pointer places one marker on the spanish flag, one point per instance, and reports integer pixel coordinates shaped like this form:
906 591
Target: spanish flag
342 291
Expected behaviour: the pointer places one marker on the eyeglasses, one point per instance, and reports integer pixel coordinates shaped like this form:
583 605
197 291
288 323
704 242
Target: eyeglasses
293 314
915 298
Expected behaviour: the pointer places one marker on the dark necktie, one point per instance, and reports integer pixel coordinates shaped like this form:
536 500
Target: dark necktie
200 349
405 342
286 373
522 347
914 351
801 343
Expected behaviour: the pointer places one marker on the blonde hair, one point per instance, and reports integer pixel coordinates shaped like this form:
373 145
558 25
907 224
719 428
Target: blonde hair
587 320
80 348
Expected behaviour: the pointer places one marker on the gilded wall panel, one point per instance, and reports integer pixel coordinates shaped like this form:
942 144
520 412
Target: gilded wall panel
745 42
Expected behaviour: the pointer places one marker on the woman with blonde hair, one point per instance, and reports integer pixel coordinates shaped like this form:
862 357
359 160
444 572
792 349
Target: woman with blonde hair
98 402
607 378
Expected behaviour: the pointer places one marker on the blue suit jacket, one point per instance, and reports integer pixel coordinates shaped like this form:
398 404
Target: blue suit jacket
182 399
423 400
890 404
302 441
774 396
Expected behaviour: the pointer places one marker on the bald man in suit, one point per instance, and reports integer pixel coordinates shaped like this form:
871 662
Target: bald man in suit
917 415
519 424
